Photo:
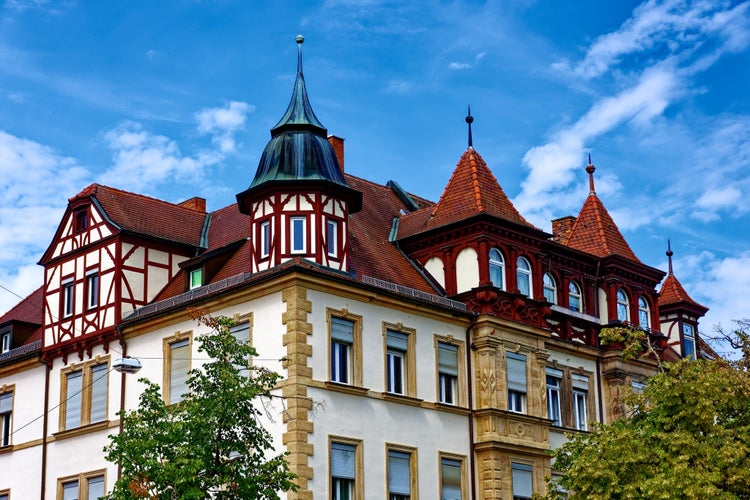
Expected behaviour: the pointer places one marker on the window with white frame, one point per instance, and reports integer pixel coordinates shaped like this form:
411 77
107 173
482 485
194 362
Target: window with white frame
68 297
523 276
342 341
332 237
550 288
447 373
644 313
554 385
623 306
196 278
6 417
688 341
397 346
88 486
298 233
343 471
497 269
92 288
523 483
265 238
84 395
6 341
399 475
241 332
516 371
580 396
176 368
450 479
575 298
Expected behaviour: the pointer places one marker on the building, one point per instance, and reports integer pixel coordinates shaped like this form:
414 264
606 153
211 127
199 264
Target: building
448 346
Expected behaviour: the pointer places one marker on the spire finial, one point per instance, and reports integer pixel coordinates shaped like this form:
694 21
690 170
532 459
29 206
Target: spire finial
300 40
590 168
470 120
669 254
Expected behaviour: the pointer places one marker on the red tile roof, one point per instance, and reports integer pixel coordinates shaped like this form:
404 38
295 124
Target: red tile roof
672 293
596 233
148 216
29 310
471 190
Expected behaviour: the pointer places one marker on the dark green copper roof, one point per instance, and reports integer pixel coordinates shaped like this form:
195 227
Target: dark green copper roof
298 149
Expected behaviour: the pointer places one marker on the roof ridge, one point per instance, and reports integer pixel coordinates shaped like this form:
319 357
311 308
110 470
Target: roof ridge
95 187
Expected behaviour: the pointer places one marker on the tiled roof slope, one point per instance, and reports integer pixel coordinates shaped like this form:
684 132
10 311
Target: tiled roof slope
673 293
596 233
148 216
471 190
29 310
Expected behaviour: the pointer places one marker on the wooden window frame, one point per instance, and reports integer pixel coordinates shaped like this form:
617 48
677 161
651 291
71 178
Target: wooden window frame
359 467
413 467
8 389
67 297
86 392
460 396
355 361
265 236
167 343
92 277
410 362
292 232
464 471
83 483
332 241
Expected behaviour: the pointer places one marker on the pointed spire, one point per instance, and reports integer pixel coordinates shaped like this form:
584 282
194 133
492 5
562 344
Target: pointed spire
669 255
470 120
590 168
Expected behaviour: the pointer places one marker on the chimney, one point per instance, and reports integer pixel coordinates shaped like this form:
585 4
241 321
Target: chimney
338 148
195 203
561 228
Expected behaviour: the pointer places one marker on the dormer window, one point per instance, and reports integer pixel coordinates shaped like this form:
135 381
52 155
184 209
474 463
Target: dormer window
265 238
623 306
297 229
196 278
6 341
81 220
332 235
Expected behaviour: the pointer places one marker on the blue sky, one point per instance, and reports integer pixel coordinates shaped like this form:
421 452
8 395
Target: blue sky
176 98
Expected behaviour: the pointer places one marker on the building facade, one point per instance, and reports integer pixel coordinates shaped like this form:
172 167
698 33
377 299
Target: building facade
428 349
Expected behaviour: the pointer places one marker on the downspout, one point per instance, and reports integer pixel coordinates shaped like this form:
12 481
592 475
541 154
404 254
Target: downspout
470 391
44 429
123 378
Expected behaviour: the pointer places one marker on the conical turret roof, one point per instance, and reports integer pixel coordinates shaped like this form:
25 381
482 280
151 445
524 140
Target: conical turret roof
672 292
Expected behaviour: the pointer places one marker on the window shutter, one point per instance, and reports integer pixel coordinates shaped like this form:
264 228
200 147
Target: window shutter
74 382
516 371
580 382
522 482
342 329
451 478
96 487
398 473
98 393
397 340
553 372
448 359
70 490
180 364
6 402
342 460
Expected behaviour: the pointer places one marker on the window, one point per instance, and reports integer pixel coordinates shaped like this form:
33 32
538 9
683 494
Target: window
265 238
92 289
554 379
5 495
450 479
84 395
497 269
516 369
177 352
298 234
397 345
523 276
332 240
580 392
196 278
623 306
399 475
550 288
6 341
88 486
688 341
523 485
447 373
6 415
343 471
68 296
644 313
575 299
241 332
81 220
342 339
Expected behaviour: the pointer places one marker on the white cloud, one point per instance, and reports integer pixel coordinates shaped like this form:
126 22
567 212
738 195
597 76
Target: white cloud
457 66
222 123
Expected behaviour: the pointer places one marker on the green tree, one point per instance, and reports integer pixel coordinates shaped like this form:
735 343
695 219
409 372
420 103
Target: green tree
209 445
688 436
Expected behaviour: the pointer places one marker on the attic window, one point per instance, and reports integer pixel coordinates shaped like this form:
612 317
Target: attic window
81 220
5 341
196 278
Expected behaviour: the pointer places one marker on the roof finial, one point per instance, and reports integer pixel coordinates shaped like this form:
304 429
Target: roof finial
669 255
469 120
590 168
300 40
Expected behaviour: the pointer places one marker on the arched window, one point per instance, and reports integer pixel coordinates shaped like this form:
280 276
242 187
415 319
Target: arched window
575 298
550 288
644 314
623 306
497 269
523 276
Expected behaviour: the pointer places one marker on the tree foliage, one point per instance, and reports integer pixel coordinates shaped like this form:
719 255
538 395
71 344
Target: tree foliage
688 436
209 445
